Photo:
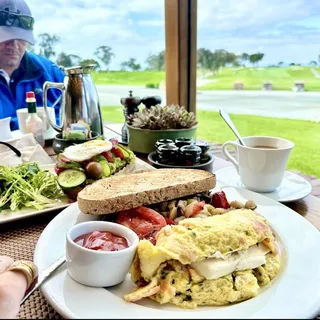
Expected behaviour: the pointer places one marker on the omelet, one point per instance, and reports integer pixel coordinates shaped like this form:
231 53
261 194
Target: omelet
215 260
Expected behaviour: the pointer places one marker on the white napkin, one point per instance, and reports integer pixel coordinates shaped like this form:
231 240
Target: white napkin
30 151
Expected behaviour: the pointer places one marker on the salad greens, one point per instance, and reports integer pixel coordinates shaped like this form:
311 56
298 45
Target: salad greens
26 185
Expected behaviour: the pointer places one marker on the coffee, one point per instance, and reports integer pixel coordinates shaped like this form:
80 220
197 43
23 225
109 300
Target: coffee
263 147
261 170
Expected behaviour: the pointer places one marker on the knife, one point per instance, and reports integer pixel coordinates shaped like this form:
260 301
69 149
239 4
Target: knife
43 276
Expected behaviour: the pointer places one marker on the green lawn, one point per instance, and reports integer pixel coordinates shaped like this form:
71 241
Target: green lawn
305 156
129 78
253 78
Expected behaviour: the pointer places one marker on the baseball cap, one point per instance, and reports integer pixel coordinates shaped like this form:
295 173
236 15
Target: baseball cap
16 21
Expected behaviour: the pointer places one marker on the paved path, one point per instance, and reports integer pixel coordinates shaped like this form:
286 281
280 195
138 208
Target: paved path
278 104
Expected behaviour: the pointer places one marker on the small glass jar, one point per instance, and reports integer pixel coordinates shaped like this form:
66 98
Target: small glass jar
163 141
168 154
190 155
180 142
204 147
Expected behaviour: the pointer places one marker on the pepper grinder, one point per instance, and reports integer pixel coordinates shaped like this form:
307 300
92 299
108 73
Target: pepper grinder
130 104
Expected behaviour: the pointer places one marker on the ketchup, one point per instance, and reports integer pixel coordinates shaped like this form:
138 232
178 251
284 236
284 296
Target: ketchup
102 241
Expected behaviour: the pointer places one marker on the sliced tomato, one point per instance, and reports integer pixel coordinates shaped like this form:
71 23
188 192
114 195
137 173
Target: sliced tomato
108 155
170 221
118 153
145 222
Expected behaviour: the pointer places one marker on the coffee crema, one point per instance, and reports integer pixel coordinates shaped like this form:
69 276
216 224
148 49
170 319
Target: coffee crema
263 147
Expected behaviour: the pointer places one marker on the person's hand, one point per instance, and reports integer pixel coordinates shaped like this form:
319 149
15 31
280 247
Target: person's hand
13 285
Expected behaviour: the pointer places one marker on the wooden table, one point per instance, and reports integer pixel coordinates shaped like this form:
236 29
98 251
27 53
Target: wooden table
18 240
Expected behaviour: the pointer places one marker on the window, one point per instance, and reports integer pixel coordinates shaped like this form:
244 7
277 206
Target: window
126 39
259 60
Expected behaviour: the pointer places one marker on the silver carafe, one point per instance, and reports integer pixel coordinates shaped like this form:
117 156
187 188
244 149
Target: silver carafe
79 100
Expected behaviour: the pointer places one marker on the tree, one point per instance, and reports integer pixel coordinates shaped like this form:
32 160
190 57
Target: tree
205 58
105 54
131 64
244 57
280 64
46 44
255 58
221 58
313 63
156 61
85 62
64 60
68 60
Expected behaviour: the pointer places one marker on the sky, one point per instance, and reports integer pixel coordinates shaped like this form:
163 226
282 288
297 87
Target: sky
287 31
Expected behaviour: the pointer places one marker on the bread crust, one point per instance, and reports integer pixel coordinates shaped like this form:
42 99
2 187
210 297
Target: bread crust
136 189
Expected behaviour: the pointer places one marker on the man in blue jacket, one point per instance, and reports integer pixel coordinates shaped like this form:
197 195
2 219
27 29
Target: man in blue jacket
22 71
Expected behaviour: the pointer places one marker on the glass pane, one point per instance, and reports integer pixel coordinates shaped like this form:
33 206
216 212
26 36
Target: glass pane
126 40
260 61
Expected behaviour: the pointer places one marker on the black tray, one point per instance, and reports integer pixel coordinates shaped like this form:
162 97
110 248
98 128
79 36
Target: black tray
152 157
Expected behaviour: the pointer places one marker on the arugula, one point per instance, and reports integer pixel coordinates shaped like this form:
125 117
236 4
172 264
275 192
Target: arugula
26 185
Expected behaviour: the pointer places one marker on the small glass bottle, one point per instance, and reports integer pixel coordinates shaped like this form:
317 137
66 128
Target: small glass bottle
34 123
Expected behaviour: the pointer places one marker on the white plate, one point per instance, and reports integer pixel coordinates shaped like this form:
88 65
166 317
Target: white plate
294 293
9 215
293 186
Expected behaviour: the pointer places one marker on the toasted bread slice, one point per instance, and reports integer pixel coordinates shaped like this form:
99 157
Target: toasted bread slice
136 189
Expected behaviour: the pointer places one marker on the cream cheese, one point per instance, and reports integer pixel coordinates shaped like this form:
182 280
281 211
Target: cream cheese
222 265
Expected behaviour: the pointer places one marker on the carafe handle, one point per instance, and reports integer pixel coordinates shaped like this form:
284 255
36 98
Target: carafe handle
49 85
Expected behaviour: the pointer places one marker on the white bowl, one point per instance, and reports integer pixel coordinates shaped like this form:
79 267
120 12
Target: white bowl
99 268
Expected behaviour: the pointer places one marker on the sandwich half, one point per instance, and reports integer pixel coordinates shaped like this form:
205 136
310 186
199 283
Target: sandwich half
215 260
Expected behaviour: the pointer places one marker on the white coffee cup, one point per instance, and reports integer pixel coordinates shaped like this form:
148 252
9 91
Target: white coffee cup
49 132
261 164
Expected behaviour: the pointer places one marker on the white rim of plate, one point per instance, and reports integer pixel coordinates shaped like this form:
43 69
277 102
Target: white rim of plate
296 235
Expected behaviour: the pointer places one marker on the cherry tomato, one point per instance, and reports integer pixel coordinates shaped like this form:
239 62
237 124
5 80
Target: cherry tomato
108 155
145 222
118 153
219 200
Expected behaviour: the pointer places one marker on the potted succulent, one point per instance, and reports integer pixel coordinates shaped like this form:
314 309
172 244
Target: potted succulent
159 122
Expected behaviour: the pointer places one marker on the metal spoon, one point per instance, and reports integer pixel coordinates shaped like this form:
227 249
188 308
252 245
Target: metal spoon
225 116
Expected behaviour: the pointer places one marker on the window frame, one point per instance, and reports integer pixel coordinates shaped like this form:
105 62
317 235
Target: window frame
181 52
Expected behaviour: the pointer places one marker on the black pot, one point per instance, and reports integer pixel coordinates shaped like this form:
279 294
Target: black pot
150 101
168 153
180 142
190 155
59 144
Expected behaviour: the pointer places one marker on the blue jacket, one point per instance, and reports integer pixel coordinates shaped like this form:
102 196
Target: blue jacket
39 69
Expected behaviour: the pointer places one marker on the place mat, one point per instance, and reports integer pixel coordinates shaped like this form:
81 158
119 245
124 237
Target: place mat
18 240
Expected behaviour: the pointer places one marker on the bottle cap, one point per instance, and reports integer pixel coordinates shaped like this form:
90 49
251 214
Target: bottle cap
30 94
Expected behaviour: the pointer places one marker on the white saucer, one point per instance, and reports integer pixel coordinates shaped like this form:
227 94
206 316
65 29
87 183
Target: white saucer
293 187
